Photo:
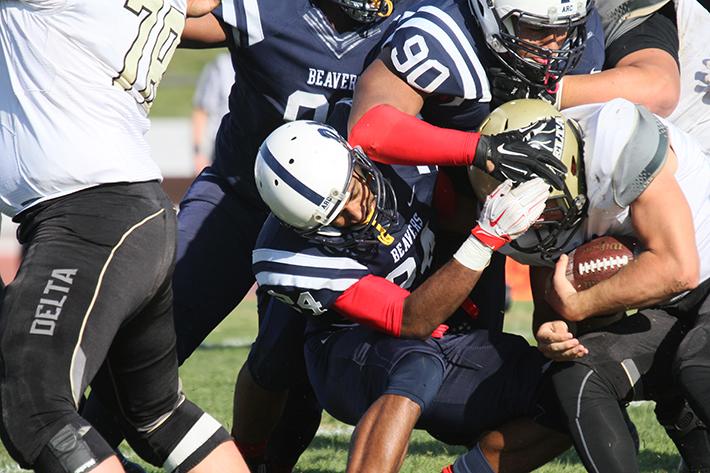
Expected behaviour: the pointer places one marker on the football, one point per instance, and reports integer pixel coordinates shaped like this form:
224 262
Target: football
599 259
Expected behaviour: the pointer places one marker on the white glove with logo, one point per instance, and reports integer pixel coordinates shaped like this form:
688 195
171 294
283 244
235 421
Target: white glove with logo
507 214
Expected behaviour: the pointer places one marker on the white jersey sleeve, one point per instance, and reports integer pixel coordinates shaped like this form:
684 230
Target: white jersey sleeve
609 130
77 83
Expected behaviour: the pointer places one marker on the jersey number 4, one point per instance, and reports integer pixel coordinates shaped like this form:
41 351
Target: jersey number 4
158 35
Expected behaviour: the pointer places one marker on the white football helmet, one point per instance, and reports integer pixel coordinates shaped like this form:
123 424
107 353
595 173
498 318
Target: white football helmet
303 172
499 20
565 209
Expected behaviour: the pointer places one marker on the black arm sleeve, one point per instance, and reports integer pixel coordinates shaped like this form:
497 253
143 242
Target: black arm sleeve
656 32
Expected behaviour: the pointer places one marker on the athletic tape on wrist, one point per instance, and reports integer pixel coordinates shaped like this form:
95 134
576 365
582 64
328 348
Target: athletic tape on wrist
558 94
473 254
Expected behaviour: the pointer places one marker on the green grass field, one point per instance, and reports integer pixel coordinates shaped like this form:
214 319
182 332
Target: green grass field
209 375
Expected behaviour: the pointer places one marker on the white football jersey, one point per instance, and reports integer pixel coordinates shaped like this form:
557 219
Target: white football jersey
692 114
607 129
77 78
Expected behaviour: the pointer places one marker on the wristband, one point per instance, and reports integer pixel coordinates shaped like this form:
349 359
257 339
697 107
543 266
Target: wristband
558 95
491 241
473 254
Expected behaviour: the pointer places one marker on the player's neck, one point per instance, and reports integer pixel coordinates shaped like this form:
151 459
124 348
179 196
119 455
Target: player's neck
339 20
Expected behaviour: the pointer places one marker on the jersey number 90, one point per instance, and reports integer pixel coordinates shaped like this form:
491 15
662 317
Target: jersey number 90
413 54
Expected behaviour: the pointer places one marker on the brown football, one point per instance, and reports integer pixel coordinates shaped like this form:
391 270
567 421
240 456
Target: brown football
600 259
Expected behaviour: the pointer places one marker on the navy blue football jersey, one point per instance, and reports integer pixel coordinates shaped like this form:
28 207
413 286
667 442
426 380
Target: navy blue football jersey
439 50
310 277
290 63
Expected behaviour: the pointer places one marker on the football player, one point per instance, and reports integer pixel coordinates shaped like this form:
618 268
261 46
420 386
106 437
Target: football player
293 59
98 234
279 78
655 56
434 65
349 246
632 173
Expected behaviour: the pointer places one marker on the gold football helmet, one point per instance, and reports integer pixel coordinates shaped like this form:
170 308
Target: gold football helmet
565 208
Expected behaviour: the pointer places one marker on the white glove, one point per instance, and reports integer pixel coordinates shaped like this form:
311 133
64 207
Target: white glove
507 214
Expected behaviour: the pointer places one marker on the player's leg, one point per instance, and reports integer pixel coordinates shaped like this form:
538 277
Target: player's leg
217 230
493 379
518 446
686 430
60 316
272 377
379 442
167 429
627 360
692 365
358 373
297 427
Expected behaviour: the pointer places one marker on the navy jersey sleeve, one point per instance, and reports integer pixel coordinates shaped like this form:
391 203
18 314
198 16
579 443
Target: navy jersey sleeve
593 57
298 274
433 51
244 17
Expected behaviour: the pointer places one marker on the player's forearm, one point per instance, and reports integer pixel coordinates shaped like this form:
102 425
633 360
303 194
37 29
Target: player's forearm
649 280
203 32
197 8
436 299
653 83
390 136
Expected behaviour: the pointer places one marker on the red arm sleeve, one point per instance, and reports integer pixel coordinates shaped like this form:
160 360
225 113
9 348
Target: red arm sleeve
390 136
375 302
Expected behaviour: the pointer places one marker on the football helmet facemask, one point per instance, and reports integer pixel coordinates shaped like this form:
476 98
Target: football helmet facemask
503 20
303 172
566 207
366 11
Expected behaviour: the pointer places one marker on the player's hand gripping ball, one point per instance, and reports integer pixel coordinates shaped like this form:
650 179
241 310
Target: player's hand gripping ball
599 259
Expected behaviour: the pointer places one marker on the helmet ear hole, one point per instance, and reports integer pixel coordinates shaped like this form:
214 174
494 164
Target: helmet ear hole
291 161
276 182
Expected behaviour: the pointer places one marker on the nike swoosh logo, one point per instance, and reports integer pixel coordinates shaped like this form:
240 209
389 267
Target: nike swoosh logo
502 150
493 223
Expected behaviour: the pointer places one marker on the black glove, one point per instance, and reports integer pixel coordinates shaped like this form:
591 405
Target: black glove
524 153
506 86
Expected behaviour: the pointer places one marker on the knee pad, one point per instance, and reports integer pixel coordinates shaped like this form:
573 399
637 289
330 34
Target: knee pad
179 440
74 449
417 376
677 418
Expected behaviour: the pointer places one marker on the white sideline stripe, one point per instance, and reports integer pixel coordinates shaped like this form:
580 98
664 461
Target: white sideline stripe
304 282
203 429
309 261
76 389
